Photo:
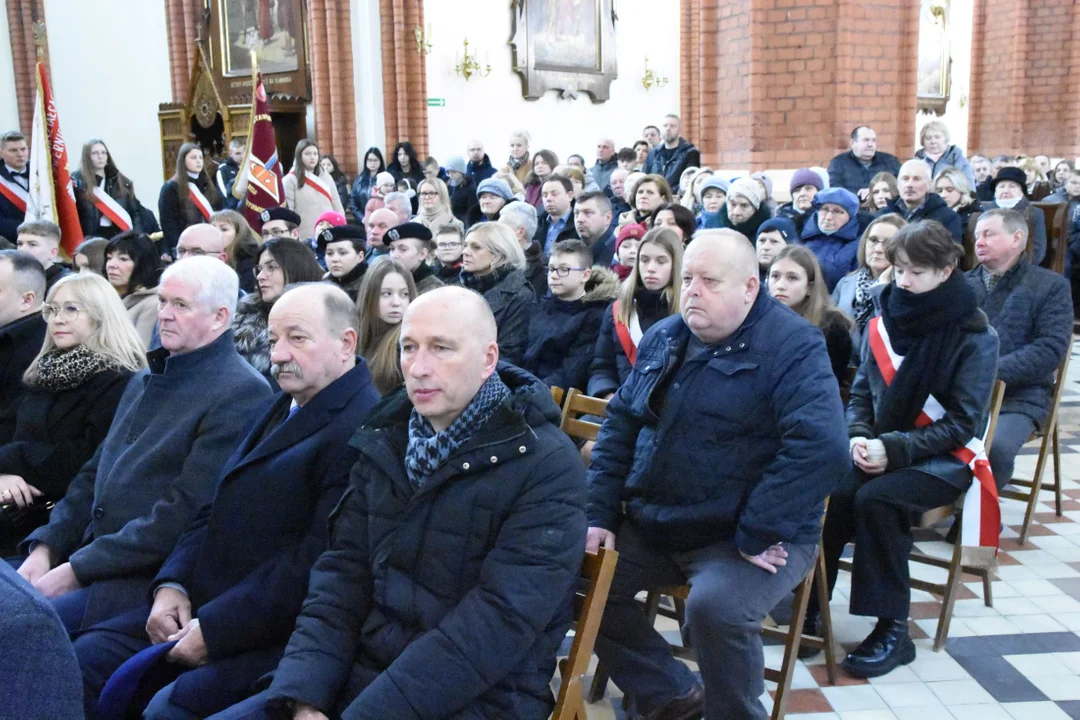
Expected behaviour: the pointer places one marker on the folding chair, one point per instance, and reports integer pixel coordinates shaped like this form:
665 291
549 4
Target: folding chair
576 405
597 569
1050 435
557 394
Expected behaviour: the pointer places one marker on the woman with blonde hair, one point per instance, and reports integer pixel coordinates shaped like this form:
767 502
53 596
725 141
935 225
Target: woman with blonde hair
1038 186
690 198
493 264
73 388
309 190
518 163
386 293
954 189
435 210
241 244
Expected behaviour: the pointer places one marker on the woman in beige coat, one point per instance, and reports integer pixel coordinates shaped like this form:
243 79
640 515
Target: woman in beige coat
309 190
131 267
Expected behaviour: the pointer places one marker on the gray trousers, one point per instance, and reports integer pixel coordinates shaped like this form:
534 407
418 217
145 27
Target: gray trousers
1013 430
728 600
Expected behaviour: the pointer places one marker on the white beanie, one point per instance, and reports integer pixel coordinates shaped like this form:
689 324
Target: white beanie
749 189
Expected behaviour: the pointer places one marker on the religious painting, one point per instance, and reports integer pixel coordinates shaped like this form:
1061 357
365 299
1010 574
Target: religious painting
273 28
566 45
934 68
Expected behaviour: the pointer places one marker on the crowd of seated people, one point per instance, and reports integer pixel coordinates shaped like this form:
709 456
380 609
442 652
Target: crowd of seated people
307 464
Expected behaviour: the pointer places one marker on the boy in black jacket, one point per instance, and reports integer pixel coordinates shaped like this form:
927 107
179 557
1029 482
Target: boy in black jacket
563 330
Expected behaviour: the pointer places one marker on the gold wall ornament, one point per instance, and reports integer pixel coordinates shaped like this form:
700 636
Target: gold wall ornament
423 40
652 78
468 65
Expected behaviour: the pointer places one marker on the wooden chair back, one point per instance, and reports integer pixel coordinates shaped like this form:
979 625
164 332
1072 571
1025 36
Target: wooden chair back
1057 235
557 394
575 406
597 571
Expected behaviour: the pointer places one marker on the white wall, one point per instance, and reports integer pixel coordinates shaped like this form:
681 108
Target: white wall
9 106
111 89
489 108
367 76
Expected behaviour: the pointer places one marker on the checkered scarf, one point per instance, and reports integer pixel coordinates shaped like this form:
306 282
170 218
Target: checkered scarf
429 450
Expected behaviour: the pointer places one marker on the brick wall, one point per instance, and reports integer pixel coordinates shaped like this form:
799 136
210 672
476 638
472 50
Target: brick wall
404 76
1025 78
330 40
788 93
22 14
182 19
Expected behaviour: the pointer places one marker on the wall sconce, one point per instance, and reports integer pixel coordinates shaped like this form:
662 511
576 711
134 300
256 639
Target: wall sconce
423 40
468 65
652 78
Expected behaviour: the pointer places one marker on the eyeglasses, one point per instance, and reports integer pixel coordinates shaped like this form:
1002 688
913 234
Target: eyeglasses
564 271
429 194
447 245
182 252
276 233
68 312
268 268
830 211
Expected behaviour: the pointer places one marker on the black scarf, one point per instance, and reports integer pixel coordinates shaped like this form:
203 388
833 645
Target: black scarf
923 328
422 271
652 305
483 283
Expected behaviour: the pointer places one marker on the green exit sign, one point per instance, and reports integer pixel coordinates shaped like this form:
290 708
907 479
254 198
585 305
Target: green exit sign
436 102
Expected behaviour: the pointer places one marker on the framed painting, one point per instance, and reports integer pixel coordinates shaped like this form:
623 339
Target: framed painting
565 45
935 61
273 28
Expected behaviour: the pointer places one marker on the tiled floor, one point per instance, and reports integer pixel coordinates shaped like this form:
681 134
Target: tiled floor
1019 659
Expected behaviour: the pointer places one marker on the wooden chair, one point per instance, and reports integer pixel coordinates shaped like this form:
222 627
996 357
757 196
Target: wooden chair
597 570
576 405
557 394
955 564
1057 235
1030 495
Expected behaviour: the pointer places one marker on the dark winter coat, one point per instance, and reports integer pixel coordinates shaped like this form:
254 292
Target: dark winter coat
1031 309
848 172
610 365
177 423
251 329
536 269
225 177
48 436
177 213
479 172
448 274
416 173
475 215
1036 227
350 282
360 194
603 250
672 163
471 574
569 231
932 208
463 198
53 274
562 335
20 343
742 442
11 217
837 254
90 216
511 301
962 384
787 210
748 228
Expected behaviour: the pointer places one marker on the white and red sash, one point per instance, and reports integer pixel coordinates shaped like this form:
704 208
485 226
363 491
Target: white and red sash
111 209
15 193
981 499
317 184
200 201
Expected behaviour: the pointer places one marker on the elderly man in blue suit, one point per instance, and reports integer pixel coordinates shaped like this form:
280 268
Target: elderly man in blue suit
229 593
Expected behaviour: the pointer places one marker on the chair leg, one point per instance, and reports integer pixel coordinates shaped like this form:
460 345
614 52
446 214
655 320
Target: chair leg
988 593
1036 485
791 647
1057 470
599 684
956 571
826 618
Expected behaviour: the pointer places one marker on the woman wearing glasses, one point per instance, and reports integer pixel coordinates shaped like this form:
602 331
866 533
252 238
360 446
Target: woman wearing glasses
832 233
435 208
132 268
72 390
282 261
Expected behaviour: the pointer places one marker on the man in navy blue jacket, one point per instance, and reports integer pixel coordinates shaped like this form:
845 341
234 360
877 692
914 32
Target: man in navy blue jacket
722 446
854 169
232 587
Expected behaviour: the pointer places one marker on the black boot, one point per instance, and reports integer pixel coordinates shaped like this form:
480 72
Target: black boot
886 647
811 626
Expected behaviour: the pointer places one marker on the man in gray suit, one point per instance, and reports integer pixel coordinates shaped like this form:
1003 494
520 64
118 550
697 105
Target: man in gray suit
177 423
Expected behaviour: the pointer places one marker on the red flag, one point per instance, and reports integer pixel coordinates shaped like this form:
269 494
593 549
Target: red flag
67 216
264 188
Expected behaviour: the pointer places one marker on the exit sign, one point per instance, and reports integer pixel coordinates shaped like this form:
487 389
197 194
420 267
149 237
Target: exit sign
436 102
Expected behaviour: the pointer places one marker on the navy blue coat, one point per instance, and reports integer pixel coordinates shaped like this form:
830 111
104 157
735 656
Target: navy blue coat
1036 221
42 678
745 445
1031 309
670 164
450 600
481 171
837 254
20 342
933 208
11 217
846 171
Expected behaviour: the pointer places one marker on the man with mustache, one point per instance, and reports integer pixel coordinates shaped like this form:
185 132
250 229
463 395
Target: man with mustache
229 592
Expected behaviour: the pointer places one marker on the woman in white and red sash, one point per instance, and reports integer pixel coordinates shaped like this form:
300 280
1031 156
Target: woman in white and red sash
309 190
189 197
916 419
104 196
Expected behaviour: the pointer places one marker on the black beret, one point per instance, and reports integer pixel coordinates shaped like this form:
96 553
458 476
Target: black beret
1015 174
280 213
406 231
339 233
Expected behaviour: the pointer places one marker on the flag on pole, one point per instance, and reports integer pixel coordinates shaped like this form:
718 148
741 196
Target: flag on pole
52 194
260 187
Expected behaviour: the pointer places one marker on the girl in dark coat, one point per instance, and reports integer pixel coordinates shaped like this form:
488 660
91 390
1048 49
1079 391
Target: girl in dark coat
341 181
72 390
99 170
405 164
188 198
363 187
904 464
493 265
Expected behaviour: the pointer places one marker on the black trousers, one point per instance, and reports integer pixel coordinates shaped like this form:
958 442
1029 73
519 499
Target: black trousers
877 512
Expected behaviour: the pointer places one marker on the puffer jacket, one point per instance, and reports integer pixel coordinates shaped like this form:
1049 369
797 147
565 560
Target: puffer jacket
953 157
837 253
962 384
932 208
742 442
1031 310
470 574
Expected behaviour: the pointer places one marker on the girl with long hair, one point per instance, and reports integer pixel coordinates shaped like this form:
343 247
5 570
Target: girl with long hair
387 291
363 187
544 163
404 163
241 245
435 210
104 196
188 198
883 190
309 190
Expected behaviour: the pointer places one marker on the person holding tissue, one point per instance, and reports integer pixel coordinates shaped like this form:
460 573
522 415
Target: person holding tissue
922 391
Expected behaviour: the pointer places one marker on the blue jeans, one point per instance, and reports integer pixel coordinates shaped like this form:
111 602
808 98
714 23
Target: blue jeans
728 600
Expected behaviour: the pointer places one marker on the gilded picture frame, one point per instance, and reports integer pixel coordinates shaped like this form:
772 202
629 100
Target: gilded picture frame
934 78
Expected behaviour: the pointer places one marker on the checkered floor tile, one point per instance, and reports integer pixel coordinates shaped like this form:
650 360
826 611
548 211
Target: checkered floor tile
1019 659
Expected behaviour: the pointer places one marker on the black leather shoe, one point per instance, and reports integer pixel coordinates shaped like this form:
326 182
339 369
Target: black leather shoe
811 626
690 706
885 648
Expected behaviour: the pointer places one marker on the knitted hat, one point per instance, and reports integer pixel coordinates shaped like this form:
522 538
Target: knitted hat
1014 174
779 224
335 219
749 189
838 196
280 213
383 178
806 176
714 182
495 186
455 163
630 230
407 230
339 233
760 175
